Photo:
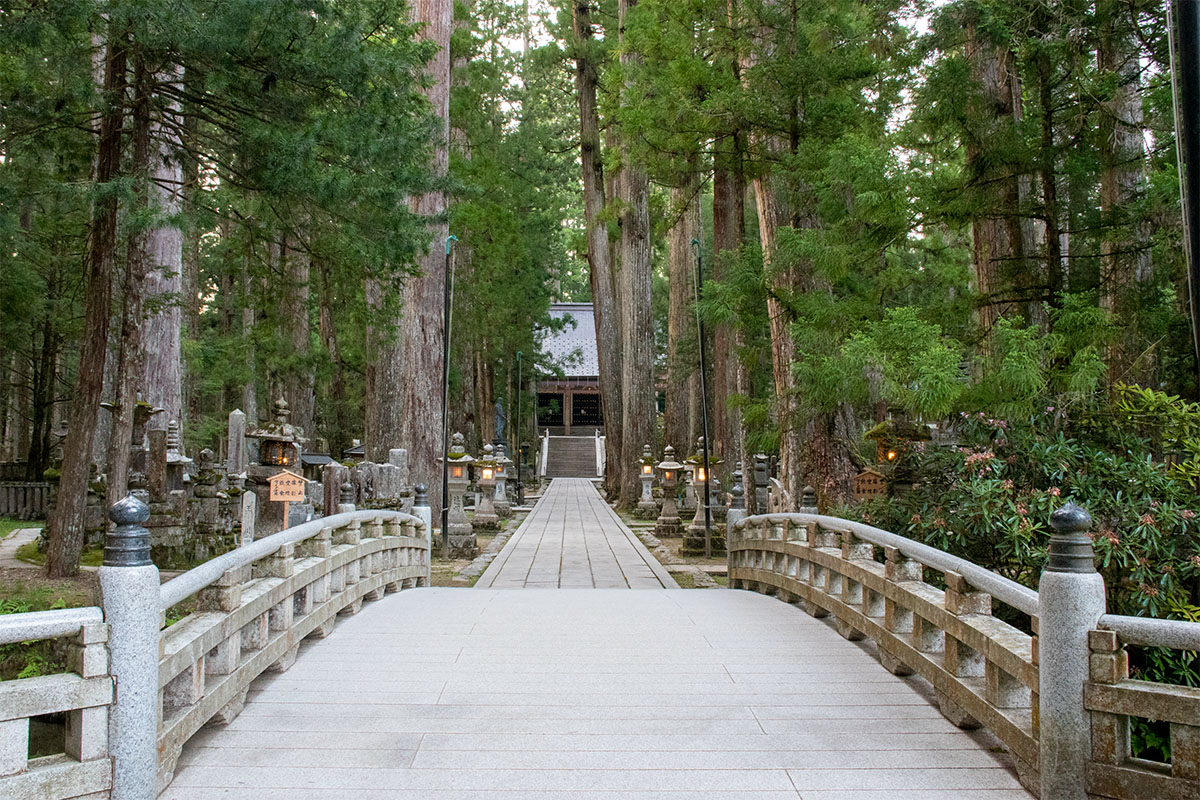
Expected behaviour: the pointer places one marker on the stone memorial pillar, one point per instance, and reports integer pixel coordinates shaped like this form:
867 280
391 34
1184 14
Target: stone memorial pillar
235 454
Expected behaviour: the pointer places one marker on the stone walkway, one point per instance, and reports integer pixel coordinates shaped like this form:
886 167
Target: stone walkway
18 539
573 540
583 694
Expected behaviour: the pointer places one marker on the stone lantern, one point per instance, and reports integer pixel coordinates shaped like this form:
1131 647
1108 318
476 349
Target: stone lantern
461 536
485 475
503 463
646 507
278 452
669 524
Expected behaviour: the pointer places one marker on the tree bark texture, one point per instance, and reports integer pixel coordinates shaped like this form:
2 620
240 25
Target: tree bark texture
634 280
1000 239
298 381
682 351
771 216
66 525
599 252
336 408
729 232
419 388
161 377
1125 256
137 266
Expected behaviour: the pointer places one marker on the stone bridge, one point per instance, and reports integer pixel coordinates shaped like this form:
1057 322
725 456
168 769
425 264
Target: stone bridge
318 664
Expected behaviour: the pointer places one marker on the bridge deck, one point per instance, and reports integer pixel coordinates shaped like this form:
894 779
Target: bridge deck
587 694
573 540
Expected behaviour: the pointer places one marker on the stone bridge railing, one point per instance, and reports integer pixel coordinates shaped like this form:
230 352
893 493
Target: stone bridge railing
84 695
1064 716
253 607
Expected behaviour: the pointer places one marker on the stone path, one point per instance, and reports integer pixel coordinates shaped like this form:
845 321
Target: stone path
573 540
18 539
455 694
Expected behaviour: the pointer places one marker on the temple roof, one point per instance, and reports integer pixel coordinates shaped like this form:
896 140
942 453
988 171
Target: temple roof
573 349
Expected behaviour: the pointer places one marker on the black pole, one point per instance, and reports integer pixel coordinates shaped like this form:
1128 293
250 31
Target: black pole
520 487
448 301
703 405
1187 140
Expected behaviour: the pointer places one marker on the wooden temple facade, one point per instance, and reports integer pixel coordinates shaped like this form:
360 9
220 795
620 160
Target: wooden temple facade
569 405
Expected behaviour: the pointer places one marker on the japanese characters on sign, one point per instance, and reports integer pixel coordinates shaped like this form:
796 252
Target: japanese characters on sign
287 486
869 484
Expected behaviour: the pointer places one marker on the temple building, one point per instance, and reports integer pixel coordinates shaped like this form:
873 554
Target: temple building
570 405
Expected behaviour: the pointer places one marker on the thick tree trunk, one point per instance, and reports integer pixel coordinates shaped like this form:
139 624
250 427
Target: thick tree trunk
66 525
336 408
298 381
599 252
1125 257
1001 241
771 216
137 266
249 402
161 377
729 231
678 427
634 281
419 392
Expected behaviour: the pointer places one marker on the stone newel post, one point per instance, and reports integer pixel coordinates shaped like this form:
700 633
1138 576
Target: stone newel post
129 587
421 508
1070 603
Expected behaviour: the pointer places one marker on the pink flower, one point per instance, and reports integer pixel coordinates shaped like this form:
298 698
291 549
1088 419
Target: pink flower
1008 485
1148 590
915 519
1188 513
1054 491
1022 509
1146 519
1196 562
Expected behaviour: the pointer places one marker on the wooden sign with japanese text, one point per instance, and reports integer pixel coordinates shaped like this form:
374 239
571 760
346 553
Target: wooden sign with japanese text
869 483
288 487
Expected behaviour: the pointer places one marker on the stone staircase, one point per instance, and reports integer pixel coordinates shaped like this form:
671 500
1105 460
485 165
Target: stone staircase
571 457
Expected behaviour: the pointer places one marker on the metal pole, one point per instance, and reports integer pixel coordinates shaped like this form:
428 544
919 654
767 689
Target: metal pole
703 404
1186 63
520 486
446 318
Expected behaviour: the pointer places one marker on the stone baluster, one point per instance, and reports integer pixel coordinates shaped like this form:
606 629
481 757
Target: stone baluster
962 599
897 617
1109 664
87 728
129 585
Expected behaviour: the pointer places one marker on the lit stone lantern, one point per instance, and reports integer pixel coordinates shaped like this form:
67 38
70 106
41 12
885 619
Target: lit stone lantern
485 476
896 438
461 536
278 451
693 540
646 507
503 465
669 524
